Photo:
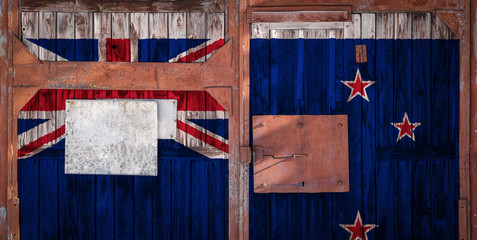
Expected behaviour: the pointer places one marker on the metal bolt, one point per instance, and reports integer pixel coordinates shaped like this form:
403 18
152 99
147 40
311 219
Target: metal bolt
340 182
340 125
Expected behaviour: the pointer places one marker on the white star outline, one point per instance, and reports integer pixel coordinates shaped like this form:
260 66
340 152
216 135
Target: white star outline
348 84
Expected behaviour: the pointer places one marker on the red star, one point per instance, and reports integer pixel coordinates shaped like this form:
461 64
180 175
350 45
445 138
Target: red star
358 86
357 230
406 128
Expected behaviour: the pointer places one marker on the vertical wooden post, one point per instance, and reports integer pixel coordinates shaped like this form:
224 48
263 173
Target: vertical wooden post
470 42
4 102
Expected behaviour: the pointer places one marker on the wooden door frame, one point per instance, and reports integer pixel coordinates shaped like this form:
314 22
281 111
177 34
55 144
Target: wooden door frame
459 19
239 36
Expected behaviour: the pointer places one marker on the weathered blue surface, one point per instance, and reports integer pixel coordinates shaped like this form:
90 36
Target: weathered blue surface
187 200
410 189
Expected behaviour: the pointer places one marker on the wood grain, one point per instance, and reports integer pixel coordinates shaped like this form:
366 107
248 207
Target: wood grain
47 29
65 30
102 32
139 30
30 30
125 5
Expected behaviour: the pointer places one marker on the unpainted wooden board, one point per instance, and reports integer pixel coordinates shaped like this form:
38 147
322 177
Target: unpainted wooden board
47 29
421 25
30 30
215 27
139 30
177 30
353 29
403 26
385 26
439 29
125 5
195 30
102 32
65 29
368 25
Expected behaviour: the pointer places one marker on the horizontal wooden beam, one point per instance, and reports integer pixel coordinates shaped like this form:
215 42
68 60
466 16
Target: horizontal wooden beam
299 14
216 72
124 5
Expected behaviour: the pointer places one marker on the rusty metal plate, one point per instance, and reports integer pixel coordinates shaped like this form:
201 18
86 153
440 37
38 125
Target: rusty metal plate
296 154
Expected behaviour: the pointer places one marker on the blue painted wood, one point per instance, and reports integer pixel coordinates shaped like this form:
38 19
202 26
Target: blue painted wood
385 138
105 188
259 220
124 207
320 75
440 73
162 202
216 187
260 73
454 87
285 62
48 199
85 50
29 211
105 207
368 139
421 202
83 193
402 84
385 199
421 90
143 192
349 203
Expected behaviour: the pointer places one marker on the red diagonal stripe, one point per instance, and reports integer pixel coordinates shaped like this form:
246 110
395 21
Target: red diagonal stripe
194 56
39 142
200 135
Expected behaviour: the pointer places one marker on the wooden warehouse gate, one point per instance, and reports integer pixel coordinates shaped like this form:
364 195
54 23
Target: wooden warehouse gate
243 91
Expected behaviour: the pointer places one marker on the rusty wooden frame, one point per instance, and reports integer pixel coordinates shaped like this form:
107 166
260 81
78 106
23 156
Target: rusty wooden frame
299 14
457 15
454 12
125 5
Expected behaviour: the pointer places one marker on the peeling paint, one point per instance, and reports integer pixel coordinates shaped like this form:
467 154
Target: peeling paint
3 215
3 44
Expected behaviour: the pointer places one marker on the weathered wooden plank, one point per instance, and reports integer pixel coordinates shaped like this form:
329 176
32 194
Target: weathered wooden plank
384 115
402 25
215 32
368 123
139 30
65 31
260 105
102 32
157 47
48 178
351 202
125 5
260 30
353 29
385 25
84 48
177 30
308 25
368 25
30 30
120 42
193 112
47 30
196 29
284 94
402 80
